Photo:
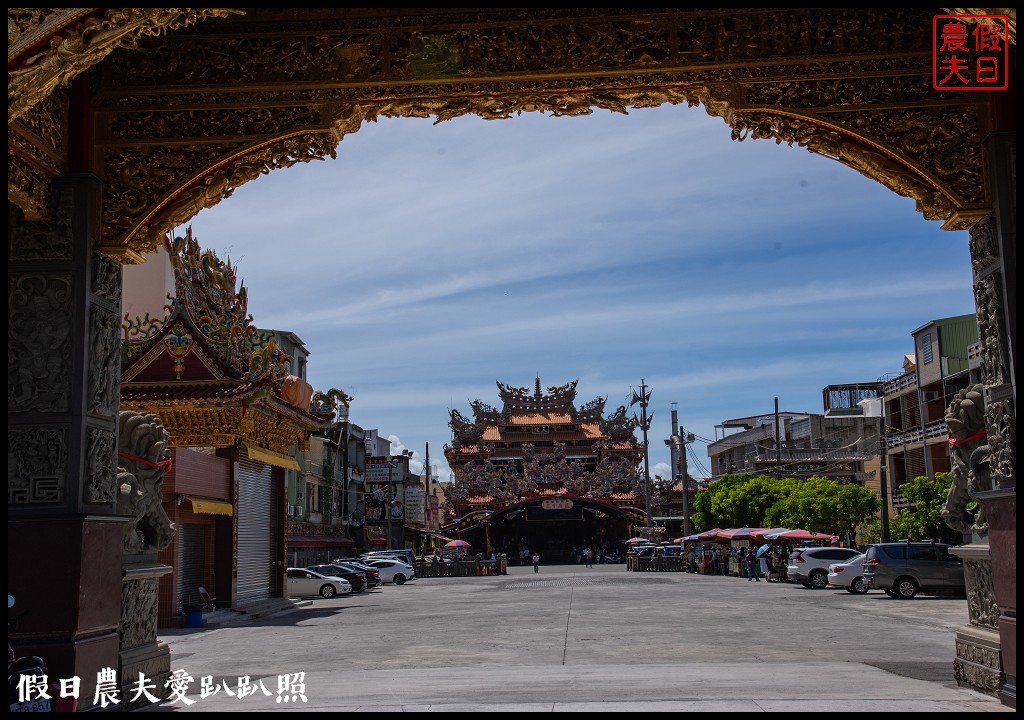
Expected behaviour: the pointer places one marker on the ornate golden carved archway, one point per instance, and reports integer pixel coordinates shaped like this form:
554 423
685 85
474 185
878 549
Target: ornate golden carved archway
185 105
124 123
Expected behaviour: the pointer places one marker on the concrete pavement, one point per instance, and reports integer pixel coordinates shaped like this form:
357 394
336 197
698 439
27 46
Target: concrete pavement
575 639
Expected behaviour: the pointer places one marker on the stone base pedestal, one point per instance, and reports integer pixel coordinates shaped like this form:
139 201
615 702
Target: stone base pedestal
141 651
977 664
154 662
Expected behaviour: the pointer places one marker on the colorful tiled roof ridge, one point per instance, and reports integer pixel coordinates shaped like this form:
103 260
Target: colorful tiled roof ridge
206 312
556 397
205 285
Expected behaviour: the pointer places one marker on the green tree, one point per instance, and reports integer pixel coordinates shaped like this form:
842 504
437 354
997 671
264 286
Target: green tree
716 507
923 521
817 503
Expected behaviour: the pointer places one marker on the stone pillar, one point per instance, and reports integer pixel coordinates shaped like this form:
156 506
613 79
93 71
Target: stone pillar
64 303
1001 508
993 262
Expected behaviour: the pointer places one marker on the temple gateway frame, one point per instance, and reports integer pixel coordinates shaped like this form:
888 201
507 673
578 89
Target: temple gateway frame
124 123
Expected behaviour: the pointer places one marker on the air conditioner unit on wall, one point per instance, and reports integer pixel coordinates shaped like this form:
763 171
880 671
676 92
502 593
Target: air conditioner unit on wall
931 395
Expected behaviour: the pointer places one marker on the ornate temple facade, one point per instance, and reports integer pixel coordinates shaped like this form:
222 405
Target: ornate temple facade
541 445
234 415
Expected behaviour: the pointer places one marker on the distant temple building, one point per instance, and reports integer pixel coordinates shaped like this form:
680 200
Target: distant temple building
543 472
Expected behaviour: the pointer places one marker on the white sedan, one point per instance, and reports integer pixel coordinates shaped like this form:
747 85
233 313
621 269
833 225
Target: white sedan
849 575
302 583
394 571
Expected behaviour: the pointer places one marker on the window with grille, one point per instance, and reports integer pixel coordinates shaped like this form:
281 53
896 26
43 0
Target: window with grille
926 348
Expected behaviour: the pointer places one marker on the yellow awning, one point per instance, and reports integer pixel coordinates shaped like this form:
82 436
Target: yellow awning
273 458
210 507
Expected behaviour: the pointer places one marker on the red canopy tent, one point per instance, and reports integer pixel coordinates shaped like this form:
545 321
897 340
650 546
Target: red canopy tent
801 535
739 533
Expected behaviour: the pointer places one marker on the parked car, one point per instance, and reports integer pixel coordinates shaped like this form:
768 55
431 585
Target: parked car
903 568
356 578
392 570
357 564
406 556
372 574
809 565
849 575
303 583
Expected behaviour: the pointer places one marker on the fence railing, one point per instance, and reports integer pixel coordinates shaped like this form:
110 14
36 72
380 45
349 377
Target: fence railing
461 568
655 564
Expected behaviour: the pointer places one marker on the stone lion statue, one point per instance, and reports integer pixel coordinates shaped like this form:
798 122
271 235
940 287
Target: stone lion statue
142 460
969 457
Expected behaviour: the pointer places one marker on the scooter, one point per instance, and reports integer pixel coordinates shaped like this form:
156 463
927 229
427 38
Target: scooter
27 678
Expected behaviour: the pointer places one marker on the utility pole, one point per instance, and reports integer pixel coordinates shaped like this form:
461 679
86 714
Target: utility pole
678 444
778 442
426 483
883 472
644 421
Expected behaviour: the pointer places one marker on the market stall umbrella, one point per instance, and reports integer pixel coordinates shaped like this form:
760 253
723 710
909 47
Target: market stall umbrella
739 533
801 535
638 540
767 533
457 544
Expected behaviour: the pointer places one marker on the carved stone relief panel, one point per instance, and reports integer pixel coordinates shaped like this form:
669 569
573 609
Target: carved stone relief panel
104 362
36 466
139 612
48 239
38 351
1002 441
988 299
101 468
106 278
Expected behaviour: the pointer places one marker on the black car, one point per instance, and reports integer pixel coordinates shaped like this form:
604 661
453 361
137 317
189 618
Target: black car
372 574
356 578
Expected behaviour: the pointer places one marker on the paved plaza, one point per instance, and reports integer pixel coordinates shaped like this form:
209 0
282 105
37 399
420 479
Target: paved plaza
572 638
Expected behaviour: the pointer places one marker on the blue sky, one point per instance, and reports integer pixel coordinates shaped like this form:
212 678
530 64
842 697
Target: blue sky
429 261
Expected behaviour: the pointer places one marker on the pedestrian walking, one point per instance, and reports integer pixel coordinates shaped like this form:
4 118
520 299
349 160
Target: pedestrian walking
536 563
751 561
691 561
766 567
588 557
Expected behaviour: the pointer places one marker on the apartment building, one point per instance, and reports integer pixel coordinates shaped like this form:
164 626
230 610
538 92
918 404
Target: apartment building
915 401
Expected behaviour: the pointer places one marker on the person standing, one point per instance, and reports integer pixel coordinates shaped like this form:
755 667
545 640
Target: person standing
691 561
766 566
588 557
536 563
751 561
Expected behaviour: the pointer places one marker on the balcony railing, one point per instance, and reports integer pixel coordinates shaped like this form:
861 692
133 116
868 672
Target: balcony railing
903 382
936 429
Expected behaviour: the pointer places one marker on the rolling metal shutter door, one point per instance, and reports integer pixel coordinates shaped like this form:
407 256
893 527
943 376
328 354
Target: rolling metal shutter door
255 532
191 561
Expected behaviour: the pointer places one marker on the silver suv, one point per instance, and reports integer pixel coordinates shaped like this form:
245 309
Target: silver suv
903 568
809 565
